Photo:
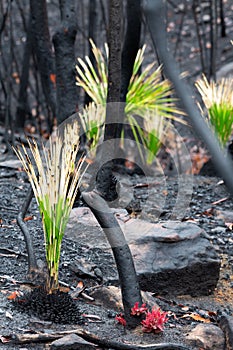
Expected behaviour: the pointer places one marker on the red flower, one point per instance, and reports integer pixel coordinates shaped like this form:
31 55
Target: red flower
154 321
137 311
120 319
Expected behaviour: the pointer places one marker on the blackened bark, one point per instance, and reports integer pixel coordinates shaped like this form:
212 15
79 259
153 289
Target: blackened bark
114 69
129 52
43 50
32 264
105 180
125 266
23 109
131 44
91 35
64 39
213 38
223 23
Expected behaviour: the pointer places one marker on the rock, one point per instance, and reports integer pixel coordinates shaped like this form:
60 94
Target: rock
109 297
226 324
171 258
207 336
174 259
71 342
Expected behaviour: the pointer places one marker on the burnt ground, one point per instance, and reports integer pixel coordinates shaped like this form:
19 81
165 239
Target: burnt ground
210 207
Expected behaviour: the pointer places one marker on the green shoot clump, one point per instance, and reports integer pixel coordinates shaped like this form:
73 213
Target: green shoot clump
55 178
218 100
148 97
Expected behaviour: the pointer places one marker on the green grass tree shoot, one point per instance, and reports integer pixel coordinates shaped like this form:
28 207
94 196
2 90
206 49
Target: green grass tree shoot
218 101
55 179
148 96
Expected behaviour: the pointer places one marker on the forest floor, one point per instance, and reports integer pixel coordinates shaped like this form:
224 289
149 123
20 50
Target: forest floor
210 207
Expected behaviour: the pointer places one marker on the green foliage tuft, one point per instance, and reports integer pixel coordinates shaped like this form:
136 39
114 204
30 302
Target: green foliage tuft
218 101
55 188
148 96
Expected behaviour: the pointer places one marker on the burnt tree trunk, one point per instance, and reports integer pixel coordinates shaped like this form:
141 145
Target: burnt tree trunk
43 50
91 35
131 44
114 117
23 109
64 39
130 289
105 181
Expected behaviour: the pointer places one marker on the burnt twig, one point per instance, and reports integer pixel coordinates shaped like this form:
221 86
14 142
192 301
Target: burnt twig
32 264
102 342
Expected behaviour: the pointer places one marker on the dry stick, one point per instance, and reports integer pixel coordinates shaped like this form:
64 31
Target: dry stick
127 275
32 265
155 14
103 342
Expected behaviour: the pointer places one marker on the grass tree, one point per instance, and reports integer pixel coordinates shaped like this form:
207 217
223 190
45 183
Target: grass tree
55 178
218 100
148 96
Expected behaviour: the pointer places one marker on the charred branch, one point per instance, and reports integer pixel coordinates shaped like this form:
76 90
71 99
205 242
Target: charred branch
102 342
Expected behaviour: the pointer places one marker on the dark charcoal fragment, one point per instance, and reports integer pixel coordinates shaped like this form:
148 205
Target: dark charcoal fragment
58 307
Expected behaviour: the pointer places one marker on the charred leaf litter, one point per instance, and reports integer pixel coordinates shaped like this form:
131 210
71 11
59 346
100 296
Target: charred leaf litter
210 208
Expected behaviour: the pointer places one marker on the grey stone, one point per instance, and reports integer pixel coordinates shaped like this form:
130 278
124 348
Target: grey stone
71 342
226 324
207 336
110 297
171 258
188 265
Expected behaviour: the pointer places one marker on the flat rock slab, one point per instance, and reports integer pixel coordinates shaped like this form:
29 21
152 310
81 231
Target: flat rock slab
171 258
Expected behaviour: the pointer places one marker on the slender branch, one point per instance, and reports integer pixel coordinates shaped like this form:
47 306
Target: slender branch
32 265
103 342
154 11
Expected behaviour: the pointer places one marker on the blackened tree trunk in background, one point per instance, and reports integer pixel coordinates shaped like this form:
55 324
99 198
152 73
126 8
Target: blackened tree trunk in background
130 49
64 39
23 109
91 35
131 44
105 180
43 50
130 289
114 68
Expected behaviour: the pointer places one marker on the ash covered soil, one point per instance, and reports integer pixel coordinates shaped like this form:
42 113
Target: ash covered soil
210 206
